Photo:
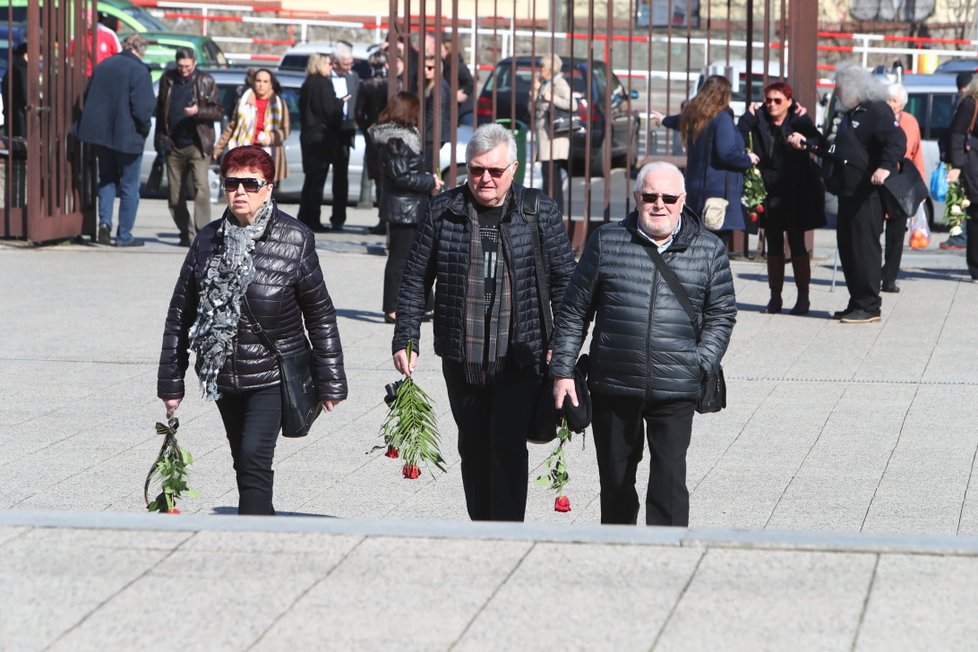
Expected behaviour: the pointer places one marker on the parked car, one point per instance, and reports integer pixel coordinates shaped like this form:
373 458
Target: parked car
230 83
162 46
121 16
510 82
954 66
297 56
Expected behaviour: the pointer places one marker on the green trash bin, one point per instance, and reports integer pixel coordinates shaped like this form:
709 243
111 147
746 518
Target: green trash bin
519 133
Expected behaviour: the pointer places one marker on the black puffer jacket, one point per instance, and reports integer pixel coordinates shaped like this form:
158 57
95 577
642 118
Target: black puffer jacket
441 251
643 344
288 289
405 185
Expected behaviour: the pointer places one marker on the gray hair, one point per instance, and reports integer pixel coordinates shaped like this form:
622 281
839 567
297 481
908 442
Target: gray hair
898 92
342 51
135 43
552 62
658 165
487 138
855 85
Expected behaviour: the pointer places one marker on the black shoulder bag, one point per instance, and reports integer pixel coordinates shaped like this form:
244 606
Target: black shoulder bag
543 429
300 400
713 388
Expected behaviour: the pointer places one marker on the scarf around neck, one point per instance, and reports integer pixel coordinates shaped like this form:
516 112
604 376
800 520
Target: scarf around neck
228 274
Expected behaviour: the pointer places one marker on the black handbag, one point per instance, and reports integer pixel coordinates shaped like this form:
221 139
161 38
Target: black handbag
904 190
300 399
713 387
565 122
155 179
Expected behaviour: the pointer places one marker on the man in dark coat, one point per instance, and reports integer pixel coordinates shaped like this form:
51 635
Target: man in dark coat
646 356
15 104
857 157
187 107
477 242
116 119
346 85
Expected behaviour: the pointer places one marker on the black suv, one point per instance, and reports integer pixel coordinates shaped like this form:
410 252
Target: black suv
622 121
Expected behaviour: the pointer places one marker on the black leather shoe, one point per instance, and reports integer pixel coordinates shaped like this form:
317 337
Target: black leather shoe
336 228
860 317
890 287
184 241
129 243
839 314
319 228
104 234
390 319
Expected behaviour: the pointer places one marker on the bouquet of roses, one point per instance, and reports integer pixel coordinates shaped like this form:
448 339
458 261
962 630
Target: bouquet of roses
171 467
754 192
557 476
410 430
955 206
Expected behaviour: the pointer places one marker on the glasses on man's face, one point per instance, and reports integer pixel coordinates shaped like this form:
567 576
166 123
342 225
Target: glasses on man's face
652 197
250 184
774 100
477 171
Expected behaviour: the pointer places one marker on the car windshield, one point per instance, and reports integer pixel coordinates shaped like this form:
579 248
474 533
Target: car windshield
143 18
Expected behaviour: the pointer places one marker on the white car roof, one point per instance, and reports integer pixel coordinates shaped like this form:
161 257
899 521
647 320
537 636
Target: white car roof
360 50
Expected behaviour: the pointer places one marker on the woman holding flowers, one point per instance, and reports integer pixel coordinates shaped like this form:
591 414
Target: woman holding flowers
795 200
254 269
964 162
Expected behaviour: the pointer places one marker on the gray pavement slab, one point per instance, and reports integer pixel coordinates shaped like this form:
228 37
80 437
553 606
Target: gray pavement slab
838 480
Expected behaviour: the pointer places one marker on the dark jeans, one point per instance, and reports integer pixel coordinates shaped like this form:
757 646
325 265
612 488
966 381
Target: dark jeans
618 444
896 229
252 421
860 225
493 421
118 174
401 237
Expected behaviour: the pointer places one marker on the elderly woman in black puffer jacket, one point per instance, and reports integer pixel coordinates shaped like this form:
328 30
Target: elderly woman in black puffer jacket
254 261
405 186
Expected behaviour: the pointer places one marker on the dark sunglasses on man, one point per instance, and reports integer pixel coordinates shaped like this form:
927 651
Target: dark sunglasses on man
250 184
477 171
774 100
652 197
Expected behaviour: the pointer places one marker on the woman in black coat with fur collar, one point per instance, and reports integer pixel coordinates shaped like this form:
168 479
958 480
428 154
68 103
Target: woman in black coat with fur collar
795 198
405 185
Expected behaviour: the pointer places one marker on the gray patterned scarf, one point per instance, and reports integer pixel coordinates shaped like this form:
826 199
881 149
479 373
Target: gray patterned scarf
229 272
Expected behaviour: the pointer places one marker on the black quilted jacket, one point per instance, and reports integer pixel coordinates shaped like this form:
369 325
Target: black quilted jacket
405 184
440 256
288 289
643 344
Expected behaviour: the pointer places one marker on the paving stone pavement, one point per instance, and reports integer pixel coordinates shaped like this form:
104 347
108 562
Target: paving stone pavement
832 505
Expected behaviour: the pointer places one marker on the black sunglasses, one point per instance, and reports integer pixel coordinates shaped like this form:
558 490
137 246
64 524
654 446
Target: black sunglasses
250 184
429 67
477 171
652 197
774 100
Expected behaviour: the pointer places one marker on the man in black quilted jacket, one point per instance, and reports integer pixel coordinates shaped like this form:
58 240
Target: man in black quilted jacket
646 362
475 244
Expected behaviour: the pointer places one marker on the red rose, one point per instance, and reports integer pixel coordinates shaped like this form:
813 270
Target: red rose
173 511
411 471
391 452
753 217
562 504
760 209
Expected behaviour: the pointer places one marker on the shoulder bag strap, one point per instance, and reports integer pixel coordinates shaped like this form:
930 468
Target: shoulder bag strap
258 330
531 206
675 286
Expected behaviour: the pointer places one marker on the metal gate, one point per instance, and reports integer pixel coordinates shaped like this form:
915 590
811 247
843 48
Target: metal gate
44 170
629 57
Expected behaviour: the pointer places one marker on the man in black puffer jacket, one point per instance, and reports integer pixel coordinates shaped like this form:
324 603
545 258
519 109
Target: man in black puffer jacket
476 241
646 362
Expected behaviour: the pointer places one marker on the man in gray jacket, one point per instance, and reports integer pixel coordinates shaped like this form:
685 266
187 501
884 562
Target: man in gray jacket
646 360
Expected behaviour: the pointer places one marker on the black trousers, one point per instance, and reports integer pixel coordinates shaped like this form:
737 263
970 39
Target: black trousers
493 421
896 229
315 167
341 184
252 421
401 237
552 186
860 225
618 444
971 240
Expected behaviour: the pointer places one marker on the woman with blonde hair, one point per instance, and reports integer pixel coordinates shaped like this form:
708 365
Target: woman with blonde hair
716 156
260 118
320 114
551 98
